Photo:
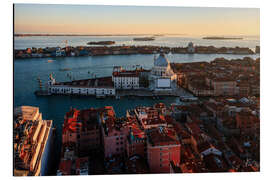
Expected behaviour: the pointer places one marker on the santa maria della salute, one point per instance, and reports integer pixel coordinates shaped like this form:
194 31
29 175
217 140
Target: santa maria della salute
162 75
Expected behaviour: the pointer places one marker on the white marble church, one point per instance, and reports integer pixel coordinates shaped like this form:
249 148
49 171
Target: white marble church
162 75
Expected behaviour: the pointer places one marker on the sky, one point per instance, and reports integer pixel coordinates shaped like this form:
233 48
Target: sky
98 19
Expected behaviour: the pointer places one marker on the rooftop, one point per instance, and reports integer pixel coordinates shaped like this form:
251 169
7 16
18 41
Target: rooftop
162 136
81 120
105 82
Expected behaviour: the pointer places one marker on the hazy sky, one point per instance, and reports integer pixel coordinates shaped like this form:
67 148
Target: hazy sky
90 19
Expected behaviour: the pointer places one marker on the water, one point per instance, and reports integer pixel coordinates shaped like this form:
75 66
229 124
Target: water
26 72
170 41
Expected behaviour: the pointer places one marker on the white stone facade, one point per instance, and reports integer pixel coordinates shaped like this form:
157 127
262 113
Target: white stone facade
126 82
123 79
63 89
55 88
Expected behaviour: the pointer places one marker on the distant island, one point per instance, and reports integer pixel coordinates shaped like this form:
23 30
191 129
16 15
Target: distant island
144 39
101 43
221 38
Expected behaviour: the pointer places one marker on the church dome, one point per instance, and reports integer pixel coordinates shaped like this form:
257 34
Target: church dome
161 61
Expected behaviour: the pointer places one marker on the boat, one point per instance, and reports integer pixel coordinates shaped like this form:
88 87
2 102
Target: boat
50 60
100 96
64 69
188 99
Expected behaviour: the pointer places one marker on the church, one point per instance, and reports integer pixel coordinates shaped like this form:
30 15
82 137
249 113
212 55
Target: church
162 75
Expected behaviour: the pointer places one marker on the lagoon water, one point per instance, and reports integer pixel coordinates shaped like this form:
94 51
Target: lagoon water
26 72
170 41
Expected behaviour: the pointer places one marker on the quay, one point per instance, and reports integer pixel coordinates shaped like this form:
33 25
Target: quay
139 82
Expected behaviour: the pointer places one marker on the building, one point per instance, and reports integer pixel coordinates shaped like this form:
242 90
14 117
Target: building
59 52
150 117
99 87
82 128
247 122
257 50
222 86
124 79
191 48
33 138
136 165
163 147
77 166
136 139
162 74
114 133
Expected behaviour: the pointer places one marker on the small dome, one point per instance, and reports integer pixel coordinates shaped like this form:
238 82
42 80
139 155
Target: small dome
190 44
161 61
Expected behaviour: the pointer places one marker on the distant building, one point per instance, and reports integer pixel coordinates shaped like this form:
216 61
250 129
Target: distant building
222 86
191 48
33 138
58 52
124 79
83 52
257 50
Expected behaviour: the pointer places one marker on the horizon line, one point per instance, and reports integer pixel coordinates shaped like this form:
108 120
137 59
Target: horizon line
122 34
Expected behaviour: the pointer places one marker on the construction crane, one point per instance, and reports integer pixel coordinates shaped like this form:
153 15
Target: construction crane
66 44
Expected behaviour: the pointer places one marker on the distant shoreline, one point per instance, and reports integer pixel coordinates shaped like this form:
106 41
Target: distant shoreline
101 43
124 50
222 38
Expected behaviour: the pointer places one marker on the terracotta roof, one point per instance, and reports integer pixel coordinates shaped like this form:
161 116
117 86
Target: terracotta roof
162 136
